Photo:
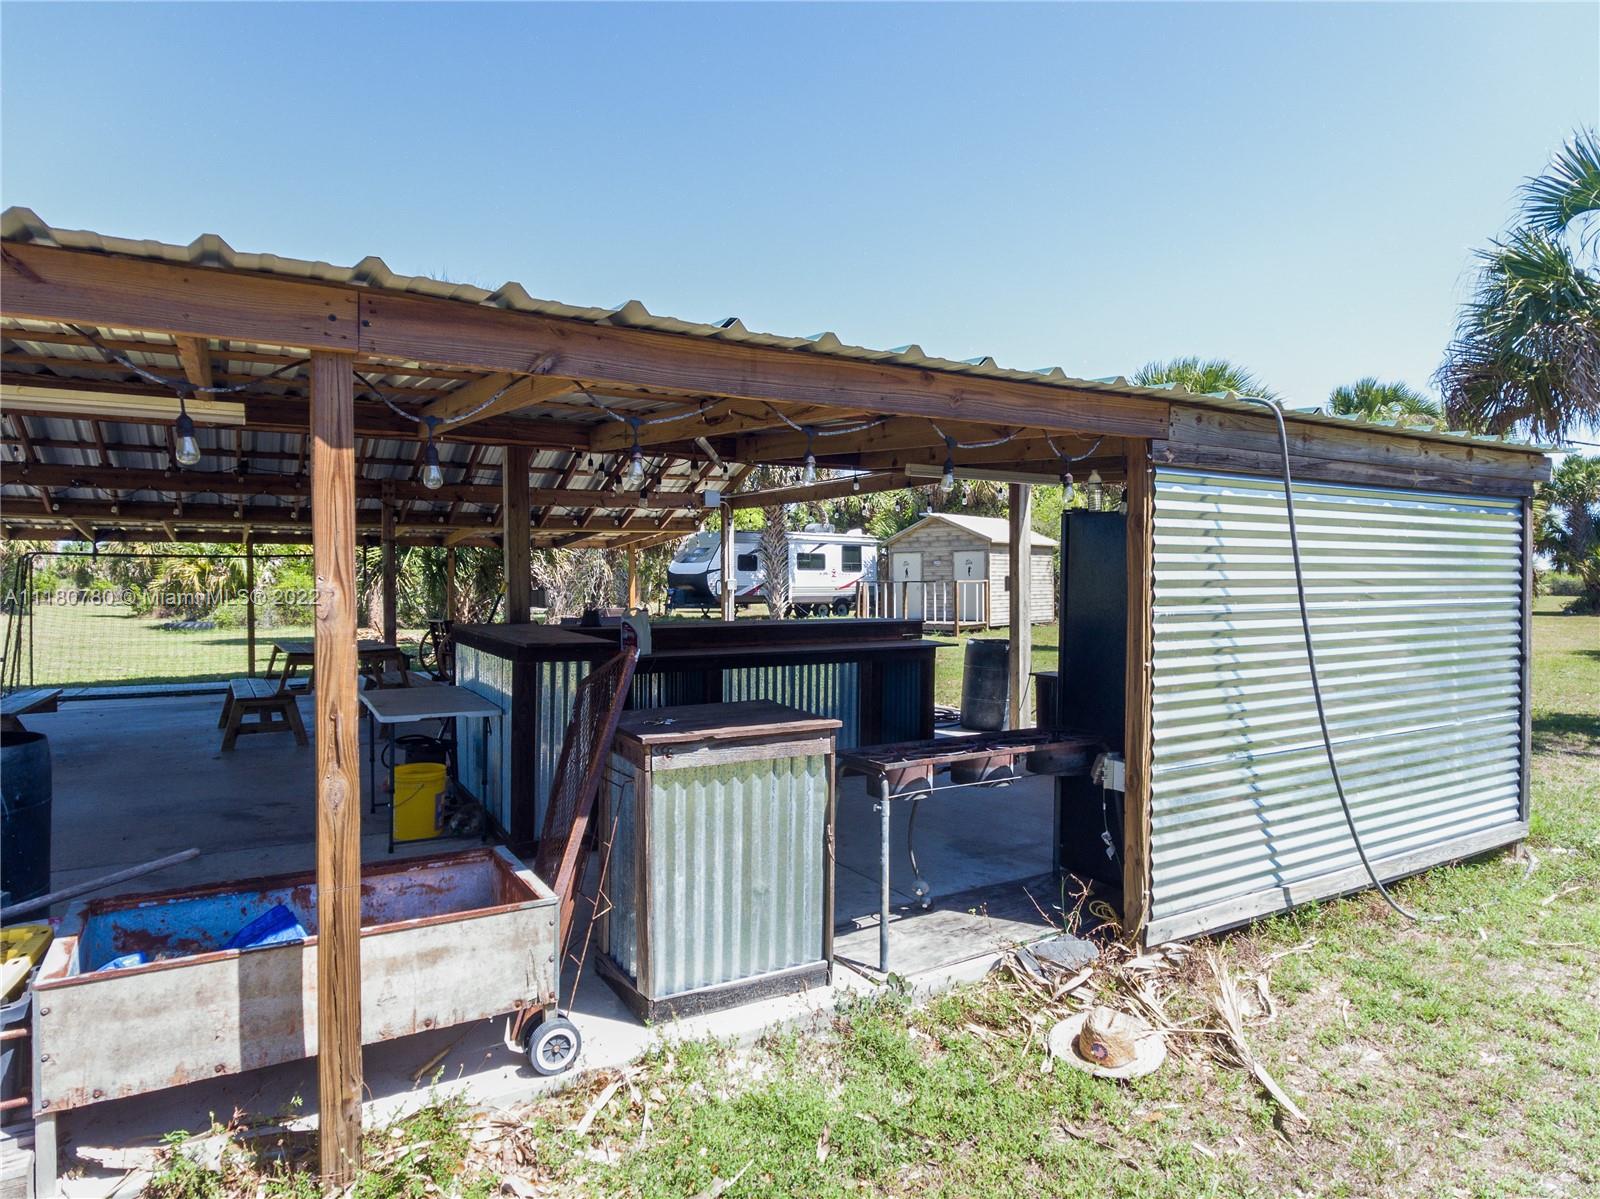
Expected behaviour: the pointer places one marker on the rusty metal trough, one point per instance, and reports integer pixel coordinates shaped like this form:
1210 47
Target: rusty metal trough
444 940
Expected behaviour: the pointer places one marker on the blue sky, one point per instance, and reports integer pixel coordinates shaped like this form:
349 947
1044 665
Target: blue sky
1298 188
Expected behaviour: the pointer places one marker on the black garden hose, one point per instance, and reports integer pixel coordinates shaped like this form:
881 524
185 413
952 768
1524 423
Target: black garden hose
1311 663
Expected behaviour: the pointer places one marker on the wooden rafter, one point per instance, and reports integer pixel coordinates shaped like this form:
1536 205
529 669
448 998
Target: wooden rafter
504 393
194 355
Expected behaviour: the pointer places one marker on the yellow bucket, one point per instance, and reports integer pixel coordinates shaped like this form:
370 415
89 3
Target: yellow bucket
418 797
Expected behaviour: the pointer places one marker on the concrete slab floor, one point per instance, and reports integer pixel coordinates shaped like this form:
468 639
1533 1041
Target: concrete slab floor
138 779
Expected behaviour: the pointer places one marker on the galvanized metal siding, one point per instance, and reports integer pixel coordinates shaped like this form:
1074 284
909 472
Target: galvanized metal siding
821 688
557 685
1415 602
735 874
619 929
483 756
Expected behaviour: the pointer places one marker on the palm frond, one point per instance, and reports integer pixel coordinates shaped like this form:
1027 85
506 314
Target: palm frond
1372 399
1569 188
1527 347
1203 376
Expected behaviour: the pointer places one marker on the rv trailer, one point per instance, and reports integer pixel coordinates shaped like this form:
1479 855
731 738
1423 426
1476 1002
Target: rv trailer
824 568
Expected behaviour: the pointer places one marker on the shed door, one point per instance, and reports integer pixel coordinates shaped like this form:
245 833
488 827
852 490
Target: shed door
972 568
905 569
1416 614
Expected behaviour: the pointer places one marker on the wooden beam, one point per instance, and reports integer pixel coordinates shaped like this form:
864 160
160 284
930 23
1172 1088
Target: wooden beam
388 581
1136 737
832 489
250 602
450 583
517 535
194 354
730 607
228 483
124 514
50 283
508 392
633 579
456 334
1437 477
338 771
896 433
720 420
1020 654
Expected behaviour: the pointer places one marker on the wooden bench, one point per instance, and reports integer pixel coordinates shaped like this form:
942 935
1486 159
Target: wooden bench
269 700
25 703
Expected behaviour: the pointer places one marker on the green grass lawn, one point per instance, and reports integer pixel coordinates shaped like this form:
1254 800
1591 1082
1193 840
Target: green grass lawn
1452 1058
110 645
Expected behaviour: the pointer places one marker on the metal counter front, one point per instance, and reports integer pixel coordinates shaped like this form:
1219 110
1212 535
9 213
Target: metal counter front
875 677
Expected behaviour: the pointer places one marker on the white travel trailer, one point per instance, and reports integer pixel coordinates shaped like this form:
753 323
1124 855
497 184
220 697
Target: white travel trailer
824 568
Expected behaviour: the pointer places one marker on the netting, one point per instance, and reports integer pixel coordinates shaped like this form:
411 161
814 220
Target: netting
596 708
79 619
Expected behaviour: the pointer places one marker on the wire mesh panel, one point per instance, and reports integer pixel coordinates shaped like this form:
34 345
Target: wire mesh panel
119 619
596 708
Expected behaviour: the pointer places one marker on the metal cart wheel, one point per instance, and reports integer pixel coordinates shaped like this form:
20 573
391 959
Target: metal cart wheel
553 1045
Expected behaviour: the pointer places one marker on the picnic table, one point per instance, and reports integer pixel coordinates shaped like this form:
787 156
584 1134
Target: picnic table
905 771
301 651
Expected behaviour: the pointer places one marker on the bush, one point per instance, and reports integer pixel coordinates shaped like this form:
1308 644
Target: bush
1559 582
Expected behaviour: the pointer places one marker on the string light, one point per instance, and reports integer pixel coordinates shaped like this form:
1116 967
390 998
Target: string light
188 452
947 481
633 477
432 474
809 474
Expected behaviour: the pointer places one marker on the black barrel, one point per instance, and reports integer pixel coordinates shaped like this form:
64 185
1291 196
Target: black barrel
25 815
983 685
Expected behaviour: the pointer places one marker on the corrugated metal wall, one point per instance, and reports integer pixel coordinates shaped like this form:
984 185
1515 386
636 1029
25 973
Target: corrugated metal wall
1416 606
821 688
557 688
483 758
736 871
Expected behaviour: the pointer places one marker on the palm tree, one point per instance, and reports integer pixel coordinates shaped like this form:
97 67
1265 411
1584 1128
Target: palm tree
1370 399
1203 377
1569 524
1526 354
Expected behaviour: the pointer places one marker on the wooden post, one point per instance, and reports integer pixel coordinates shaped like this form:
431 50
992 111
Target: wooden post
386 537
1021 656
450 583
729 564
333 534
1137 695
516 534
633 579
250 601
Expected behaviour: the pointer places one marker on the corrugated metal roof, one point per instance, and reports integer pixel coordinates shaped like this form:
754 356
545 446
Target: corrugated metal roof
995 530
23 225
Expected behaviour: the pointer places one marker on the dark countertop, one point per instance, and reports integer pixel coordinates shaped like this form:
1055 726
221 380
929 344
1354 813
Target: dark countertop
676 639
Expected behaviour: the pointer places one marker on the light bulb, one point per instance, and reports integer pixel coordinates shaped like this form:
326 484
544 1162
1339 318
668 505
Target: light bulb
188 452
947 481
1066 486
432 475
809 475
855 483
633 477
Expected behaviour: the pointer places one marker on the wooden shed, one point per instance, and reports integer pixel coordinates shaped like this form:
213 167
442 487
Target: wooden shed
963 566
